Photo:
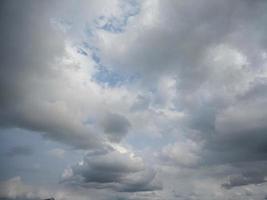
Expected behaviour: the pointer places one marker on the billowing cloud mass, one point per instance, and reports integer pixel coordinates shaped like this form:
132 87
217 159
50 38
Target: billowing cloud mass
121 171
157 99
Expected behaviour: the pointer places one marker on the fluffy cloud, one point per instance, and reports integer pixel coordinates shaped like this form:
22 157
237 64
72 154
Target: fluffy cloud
112 169
51 90
181 83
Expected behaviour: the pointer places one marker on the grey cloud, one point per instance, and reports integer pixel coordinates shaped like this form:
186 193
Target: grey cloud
181 34
244 179
20 151
240 129
115 126
247 173
30 48
213 49
246 115
215 53
114 170
141 182
184 154
141 103
15 188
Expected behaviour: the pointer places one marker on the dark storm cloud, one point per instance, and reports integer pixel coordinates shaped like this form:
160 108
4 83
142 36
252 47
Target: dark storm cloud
20 151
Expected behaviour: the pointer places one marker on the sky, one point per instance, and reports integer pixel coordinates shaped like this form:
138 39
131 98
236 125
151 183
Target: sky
133 100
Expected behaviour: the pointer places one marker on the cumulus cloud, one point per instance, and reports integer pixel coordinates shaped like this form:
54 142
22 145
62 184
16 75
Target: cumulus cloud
180 83
47 73
123 172
28 57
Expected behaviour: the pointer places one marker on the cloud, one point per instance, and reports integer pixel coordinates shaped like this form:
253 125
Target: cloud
216 62
115 126
17 189
182 80
46 72
29 28
14 188
243 122
59 153
247 174
20 151
182 153
244 179
123 172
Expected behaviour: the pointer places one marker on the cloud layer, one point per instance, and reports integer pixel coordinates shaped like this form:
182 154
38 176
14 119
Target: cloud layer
161 99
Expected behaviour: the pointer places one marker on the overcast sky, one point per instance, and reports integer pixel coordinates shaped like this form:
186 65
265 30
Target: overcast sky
133 100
